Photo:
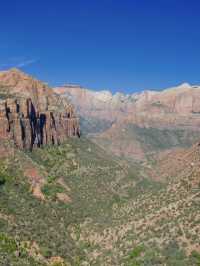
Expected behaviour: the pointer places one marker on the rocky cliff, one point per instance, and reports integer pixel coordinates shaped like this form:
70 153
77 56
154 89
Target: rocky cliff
132 125
174 106
31 115
100 104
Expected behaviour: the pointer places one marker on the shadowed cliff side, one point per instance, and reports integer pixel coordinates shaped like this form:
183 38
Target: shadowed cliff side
31 115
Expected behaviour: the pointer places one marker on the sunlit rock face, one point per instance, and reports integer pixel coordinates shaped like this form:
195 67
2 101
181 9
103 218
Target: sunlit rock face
31 115
176 106
128 124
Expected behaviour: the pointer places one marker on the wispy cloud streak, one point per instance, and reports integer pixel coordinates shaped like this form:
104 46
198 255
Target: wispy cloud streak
27 62
14 62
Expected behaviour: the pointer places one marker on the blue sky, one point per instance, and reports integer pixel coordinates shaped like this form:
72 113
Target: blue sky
117 45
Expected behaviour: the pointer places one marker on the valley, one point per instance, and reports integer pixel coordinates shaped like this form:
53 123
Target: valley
122 188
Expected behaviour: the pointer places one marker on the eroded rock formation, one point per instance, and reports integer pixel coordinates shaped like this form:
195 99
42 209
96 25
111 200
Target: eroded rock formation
175 106
128 125
28 128
32 115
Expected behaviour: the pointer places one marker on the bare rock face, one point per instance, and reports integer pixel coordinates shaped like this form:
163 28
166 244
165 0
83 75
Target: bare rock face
31 115
170 107
100 104
176 109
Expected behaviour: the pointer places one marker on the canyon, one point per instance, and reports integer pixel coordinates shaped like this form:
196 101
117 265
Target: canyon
125 193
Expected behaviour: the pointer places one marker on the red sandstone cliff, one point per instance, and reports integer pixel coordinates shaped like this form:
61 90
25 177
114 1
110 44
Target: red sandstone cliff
31 115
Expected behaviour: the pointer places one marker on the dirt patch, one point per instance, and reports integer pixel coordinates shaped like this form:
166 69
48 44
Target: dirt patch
37 181
8 218
63 197
57 261
63 184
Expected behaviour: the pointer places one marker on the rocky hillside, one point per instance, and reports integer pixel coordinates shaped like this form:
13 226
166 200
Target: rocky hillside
74 205
31 114
158 227
48 193
137 125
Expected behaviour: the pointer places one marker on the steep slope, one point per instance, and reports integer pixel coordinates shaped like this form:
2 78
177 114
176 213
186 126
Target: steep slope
31 114
47 193
133 142
76 205
158 227
138 125
177 162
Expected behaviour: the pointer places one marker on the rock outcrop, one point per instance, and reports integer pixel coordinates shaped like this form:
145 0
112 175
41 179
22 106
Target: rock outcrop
31 115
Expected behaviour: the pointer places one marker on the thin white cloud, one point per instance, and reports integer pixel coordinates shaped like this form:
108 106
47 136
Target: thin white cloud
18 63
27 62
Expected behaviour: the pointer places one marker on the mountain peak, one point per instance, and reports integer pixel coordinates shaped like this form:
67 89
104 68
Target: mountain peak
184 85
13 74
17 71
14 69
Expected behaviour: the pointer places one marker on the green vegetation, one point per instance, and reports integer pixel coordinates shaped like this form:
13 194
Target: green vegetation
131 140
159 139
196 257
134 256
12 252
113 208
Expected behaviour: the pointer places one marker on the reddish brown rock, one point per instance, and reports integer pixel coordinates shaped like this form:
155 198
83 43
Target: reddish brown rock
33 115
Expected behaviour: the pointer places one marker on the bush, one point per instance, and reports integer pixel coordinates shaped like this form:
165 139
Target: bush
46 252
51 179
134 256
7 244
196 256
3 175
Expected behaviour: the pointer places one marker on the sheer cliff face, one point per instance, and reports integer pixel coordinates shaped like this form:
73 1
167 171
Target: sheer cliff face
99 104
175 106
31 115
140 122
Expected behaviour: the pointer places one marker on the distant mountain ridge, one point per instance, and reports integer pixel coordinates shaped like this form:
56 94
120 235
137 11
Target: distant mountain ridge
125 121
173 99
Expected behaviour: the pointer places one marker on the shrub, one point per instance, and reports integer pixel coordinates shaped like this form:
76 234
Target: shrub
7 244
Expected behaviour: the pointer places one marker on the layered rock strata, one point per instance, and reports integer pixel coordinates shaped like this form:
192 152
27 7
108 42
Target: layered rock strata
21 122
32 115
